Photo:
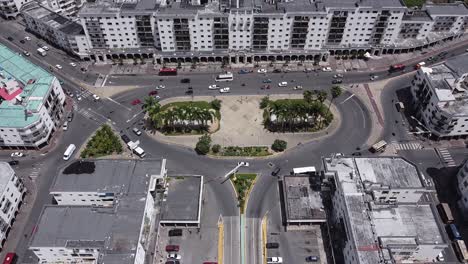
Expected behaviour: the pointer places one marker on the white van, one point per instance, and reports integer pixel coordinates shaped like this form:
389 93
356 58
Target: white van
69 152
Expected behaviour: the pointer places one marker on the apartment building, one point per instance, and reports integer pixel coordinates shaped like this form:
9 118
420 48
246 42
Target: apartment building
104 214
440 96
55 28
12 192
377 213
63 7
10 9
31 102
462 179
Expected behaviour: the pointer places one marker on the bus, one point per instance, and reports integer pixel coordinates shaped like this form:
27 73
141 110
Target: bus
226 77
304 170
445 213
379 146
397 67
10 258
68 153
460 249
168 72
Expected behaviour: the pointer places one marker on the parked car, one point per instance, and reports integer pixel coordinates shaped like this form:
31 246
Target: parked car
243 163
272 245
72 64
160 87
306 70
374 77
440 257
312 258
275 260
65 126
283 84
10 38
276 171
277 71
174 256
45 48
175 232
96 97
22 41
336 81
213 87
58 66
172 248
136 101
153 93
338 75
136 131
13 162
327 69
262 71
17 155
266 81
125 138
225 90
27 54
244 71
298 87
185 80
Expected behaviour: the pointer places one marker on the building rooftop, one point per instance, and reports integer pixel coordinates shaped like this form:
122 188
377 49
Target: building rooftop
183 202
303 202
107 176
6 173
391 171
417 16
23 91
449 9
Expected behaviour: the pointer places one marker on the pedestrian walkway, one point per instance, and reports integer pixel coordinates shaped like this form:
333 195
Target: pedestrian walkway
36 168
407 145
446 157
86 94
90 115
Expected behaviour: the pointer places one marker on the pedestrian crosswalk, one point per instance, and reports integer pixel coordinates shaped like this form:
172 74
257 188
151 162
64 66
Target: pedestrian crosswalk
407 145
85 94
88 114
446 157
35 171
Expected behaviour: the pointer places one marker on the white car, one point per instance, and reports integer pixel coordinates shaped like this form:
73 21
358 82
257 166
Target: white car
374 77
283 84
174 256
225 90
58 66
339 75
78 97
72 64
440 257
298 87
27 38
65 126
96 97
262 71
275 260
17 154
243 163
213 87
45 48
160 87
327 69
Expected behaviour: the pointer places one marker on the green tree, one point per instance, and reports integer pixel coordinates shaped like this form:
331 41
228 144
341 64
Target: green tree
216 104
203 145
308 96
216 148
279 145
264 102
322 96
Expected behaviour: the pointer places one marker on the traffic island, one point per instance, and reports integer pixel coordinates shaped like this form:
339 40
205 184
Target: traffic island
243 183
103 143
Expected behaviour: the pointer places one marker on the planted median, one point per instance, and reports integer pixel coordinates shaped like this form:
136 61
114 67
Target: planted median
243 183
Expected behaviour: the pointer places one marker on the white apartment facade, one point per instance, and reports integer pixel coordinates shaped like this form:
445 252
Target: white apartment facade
441 98
462 178
33 103
10 9
12 192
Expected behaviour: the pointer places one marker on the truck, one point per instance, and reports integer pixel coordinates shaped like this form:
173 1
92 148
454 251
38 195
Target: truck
41 51
133 146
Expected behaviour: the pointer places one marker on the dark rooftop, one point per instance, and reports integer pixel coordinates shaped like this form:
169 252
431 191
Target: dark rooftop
183 199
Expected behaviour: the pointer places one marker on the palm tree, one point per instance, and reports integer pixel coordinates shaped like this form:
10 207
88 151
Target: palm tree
308 96
336 91
322 96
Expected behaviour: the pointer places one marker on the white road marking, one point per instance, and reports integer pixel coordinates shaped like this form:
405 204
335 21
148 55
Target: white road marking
351 96
135 115
105 80
112 100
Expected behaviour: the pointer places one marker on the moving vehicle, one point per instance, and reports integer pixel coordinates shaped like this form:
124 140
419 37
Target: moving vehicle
283 84
69 152
172 248
72 64
174 256
397 67
262 71
272 245
244 71
298 87
136 149
374 77
17 155
276 171
214 87
153 93
400 106
419 65
159 87
65 126
58 66
22 41
445 213
41 51
96 97
327 69
136 131
243 163
125 138
266 81
185 80
453 233
10 38
226 77
136 101
338 76
167 72
440 257
312 258
275 260
276 71
27 54
304 170
265 86
189 92
225 90
379 146
45 48
460 250
10 258
27 38
175 232
337 81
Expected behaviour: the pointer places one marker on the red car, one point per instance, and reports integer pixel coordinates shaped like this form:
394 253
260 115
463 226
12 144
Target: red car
136 101
266 86
210 262
153 93
172 248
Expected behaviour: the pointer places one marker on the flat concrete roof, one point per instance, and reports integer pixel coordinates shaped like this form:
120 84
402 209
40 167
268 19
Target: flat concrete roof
183 201
107 176
303 202
450 9
6 173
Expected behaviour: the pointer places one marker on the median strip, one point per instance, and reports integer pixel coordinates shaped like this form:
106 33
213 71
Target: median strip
264 238
220 242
